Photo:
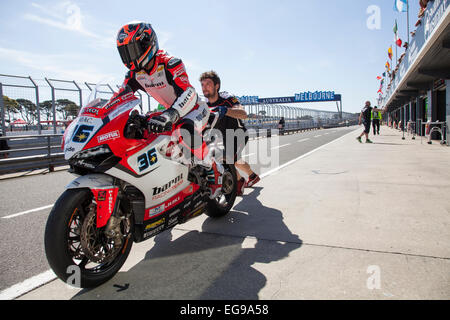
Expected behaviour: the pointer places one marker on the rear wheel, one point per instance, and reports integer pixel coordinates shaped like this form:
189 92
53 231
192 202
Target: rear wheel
79 253
222 205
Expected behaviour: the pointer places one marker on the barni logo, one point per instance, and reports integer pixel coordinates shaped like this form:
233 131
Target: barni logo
108 136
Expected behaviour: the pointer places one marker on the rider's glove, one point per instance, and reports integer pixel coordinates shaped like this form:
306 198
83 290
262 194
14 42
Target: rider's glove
221 110
164 121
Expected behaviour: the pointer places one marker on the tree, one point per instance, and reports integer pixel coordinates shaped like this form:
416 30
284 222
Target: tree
27 110
46 107
11 106
67 108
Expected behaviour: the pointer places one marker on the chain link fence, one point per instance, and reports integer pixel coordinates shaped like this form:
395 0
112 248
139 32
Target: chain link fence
46 106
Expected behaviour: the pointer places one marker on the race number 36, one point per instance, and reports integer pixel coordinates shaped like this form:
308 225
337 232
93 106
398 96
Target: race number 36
147 159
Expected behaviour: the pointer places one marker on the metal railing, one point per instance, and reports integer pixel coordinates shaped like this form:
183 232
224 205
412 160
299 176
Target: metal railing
58 101
48 105
32 152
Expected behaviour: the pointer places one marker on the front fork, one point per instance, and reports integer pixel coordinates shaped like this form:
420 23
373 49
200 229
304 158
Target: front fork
107 204
106 194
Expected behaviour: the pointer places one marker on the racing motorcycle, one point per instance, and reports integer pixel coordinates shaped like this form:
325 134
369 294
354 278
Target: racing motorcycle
129 189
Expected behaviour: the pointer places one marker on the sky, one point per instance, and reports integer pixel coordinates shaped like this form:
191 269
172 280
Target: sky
258 48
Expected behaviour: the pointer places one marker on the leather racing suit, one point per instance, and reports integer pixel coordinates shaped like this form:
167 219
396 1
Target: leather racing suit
168 83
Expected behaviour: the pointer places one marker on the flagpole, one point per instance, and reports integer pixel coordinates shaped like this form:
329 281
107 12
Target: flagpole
395 42
396 58
407 19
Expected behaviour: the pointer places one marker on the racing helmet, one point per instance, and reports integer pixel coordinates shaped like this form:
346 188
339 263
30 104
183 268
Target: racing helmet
137 44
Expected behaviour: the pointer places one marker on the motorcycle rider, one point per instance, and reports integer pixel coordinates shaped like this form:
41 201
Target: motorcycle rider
164 77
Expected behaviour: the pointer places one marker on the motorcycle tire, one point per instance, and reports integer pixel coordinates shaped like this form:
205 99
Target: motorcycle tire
217 208
60 243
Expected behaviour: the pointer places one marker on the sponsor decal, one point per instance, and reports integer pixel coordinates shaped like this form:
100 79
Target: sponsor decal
180 70
91 111
108 136
160 192
82 133
85 164
196 213
173 202
155 211
157 85
189 96
125 107
160 68
101 195
184 79
111 104
110 200
153 232
86 120
127 96
172 221
155 224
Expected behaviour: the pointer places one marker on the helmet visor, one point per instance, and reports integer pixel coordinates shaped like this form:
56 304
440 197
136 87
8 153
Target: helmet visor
130 53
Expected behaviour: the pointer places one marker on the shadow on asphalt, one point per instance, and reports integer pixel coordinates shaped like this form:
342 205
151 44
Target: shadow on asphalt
216 263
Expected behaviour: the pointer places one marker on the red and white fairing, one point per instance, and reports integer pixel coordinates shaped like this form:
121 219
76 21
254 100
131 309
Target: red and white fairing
144 163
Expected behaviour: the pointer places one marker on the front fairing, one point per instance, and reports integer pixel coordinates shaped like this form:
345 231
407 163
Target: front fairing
91 119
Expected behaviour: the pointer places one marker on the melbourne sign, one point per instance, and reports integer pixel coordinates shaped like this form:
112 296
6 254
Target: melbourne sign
317 96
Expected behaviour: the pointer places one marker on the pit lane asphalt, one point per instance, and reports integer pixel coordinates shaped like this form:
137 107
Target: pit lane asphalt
22 237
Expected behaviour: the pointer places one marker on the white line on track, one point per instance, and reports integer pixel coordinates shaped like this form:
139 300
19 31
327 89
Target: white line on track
283 145
27 285
317 136
302 140
248 155
268 173
26 212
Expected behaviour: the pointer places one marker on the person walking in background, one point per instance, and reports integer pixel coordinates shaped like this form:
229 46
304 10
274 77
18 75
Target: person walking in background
3 146
376 120
364 118
281 126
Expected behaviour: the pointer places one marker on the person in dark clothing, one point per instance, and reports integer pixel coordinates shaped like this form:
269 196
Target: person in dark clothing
3 146
281 125
376 119
231 114
364 118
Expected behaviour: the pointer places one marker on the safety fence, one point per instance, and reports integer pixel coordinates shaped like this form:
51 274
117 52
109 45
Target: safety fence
46 106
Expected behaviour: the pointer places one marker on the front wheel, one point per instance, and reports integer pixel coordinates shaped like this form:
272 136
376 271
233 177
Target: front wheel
79 253
222 205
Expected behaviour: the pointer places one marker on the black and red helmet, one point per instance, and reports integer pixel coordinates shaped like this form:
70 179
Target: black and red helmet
137 44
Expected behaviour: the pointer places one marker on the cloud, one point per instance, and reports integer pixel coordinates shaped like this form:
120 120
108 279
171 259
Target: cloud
68 16
54 65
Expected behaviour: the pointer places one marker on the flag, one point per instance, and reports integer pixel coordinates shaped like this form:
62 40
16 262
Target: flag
395 27
379 78
401 5
388 66
398 42
390 52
